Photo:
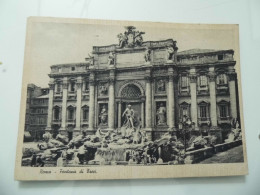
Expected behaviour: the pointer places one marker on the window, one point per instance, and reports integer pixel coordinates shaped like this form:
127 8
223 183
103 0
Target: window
222 79
86 86
203 110
184 110
220 57
184 82
56 113
223 110
72 68
71 113
41 120
203 81
58 87
85 114
72 86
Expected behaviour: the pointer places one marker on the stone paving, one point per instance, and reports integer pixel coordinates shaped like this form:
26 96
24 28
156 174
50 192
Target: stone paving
233 155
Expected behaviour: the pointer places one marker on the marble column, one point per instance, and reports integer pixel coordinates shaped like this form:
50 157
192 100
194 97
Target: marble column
111 105
50 106
232 91
193 93
64 103
170 98
148 103
119 114
212 92
91 102
78 106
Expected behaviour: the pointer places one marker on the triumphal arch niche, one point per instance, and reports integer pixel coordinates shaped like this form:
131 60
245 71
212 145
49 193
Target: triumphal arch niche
132 84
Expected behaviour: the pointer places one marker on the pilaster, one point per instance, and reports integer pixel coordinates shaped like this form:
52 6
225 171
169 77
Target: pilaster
170 98
78 108
111 101
148 102
212 91
50 106
193 93
64 103
91 101
232 90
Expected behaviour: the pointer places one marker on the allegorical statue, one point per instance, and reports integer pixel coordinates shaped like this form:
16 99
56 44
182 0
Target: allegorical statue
161 115
147 55
130 37
122 40
103 116
170 53
129 116
139 38
111 58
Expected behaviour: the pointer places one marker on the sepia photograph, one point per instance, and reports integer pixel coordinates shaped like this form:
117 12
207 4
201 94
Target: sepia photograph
129 96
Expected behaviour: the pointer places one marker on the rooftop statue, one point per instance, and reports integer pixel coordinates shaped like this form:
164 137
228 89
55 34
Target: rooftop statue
130 38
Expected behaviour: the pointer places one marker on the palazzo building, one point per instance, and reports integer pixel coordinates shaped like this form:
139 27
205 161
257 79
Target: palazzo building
36 111
161 84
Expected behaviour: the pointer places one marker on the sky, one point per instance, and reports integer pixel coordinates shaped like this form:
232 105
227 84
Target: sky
61 43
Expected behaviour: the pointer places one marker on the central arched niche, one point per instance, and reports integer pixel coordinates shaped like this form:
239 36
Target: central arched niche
131 91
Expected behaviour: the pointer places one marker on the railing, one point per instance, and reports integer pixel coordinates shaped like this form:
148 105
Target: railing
224 120
204 120
203 89
56 121
222 89
84 121
71 121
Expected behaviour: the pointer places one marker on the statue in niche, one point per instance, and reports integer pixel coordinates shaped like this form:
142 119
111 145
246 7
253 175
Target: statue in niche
147 55
111 58
103 115
129 117
161 115
170 53
102 90
161 86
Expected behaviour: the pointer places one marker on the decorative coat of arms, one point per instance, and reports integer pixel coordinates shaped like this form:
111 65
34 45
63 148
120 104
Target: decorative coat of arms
130 38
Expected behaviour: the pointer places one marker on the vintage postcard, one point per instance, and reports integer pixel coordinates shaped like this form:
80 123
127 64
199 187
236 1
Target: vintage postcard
126 100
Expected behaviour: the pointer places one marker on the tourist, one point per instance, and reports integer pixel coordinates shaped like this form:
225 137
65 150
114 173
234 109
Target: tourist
60 161
39 161
33 160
